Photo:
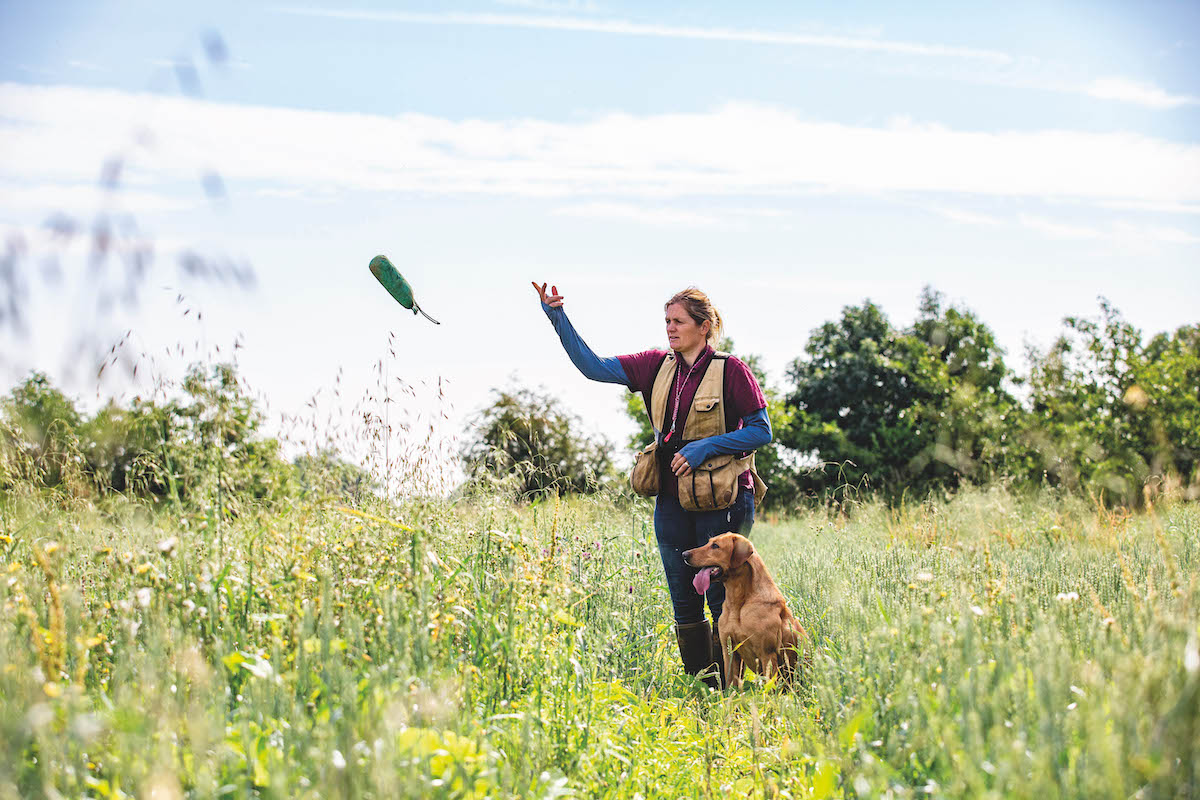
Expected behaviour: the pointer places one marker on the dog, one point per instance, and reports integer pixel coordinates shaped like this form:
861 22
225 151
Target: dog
756 628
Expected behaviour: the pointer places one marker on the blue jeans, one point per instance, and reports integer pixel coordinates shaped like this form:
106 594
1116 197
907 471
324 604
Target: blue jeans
677 530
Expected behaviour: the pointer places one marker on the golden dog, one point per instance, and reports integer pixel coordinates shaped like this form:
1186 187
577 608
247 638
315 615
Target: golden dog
756 628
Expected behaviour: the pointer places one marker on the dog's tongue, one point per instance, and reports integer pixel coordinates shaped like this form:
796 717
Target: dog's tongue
703 579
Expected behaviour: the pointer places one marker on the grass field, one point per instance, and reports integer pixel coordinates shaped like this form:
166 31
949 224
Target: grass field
989 646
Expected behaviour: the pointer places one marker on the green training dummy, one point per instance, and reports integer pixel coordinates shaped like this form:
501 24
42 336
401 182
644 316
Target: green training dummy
397 287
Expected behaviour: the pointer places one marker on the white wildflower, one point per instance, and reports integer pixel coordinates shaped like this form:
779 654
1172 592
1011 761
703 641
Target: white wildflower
143 596
259 667
339 760
1067 597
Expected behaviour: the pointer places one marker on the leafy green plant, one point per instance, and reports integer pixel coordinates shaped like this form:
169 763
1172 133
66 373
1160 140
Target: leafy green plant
526 440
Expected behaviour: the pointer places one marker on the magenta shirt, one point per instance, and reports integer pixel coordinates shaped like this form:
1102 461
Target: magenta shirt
743 395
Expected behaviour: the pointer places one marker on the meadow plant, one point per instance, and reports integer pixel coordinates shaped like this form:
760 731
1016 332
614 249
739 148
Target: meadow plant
990 644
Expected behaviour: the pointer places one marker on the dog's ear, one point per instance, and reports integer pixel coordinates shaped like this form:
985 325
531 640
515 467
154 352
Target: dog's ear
742 550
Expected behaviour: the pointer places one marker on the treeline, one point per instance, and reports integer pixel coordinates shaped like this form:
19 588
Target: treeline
934 405
204 450
870 407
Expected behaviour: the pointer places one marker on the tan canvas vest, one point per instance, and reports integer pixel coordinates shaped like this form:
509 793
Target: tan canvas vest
707 415
705 418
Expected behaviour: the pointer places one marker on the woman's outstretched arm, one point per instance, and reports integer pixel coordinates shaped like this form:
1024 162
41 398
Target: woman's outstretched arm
605 370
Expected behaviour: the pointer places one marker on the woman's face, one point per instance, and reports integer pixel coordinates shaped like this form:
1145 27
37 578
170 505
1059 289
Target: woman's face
683 334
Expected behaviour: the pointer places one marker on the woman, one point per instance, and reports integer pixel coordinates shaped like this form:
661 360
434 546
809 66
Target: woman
692 325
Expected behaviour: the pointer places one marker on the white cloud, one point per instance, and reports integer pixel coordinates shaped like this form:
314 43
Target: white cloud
84 200
644 215
1159 208
625 28
62 134
1119 232
556 6
1129 232
1024 73
1061 230
726 218
1129 91
967 217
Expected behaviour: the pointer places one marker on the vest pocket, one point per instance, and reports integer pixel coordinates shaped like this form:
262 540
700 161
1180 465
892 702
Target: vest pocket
713 485
644 477
707 418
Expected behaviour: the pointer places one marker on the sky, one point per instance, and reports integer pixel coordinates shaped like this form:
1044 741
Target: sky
790 159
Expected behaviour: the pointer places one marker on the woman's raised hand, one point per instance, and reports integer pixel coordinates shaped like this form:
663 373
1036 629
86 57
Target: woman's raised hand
553 299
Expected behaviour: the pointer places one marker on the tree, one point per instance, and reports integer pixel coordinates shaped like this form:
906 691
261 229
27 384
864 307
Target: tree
41 434
525 438
223 453
1114 416
203 448
1166 402
904 410
327 473
853 400
971 412
127 449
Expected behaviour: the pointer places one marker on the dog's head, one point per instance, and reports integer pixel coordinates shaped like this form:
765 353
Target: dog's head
723 554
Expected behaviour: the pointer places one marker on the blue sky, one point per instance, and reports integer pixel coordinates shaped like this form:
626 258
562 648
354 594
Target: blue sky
789 159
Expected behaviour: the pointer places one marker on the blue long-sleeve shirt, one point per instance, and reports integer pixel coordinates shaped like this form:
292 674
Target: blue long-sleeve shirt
605 370
754 433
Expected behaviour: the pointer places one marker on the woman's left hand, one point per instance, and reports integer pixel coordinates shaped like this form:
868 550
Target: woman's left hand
680 466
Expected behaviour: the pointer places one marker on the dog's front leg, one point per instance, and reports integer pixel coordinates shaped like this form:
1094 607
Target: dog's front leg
770 664
734 668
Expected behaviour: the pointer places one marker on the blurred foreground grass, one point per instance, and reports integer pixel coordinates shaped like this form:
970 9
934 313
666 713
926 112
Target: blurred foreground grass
995 645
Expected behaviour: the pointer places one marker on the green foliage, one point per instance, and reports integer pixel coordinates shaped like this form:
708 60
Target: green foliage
1113 415
526 440
776 465
224 452
39 434
203 448
902 410
1168 403
326 474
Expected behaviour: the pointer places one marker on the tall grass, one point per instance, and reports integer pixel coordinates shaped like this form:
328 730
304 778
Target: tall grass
991 645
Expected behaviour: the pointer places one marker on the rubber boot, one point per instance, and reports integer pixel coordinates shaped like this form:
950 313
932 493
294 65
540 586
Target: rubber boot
718 653
695 649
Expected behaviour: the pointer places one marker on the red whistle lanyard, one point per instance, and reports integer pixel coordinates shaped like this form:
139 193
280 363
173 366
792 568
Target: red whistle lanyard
678 394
